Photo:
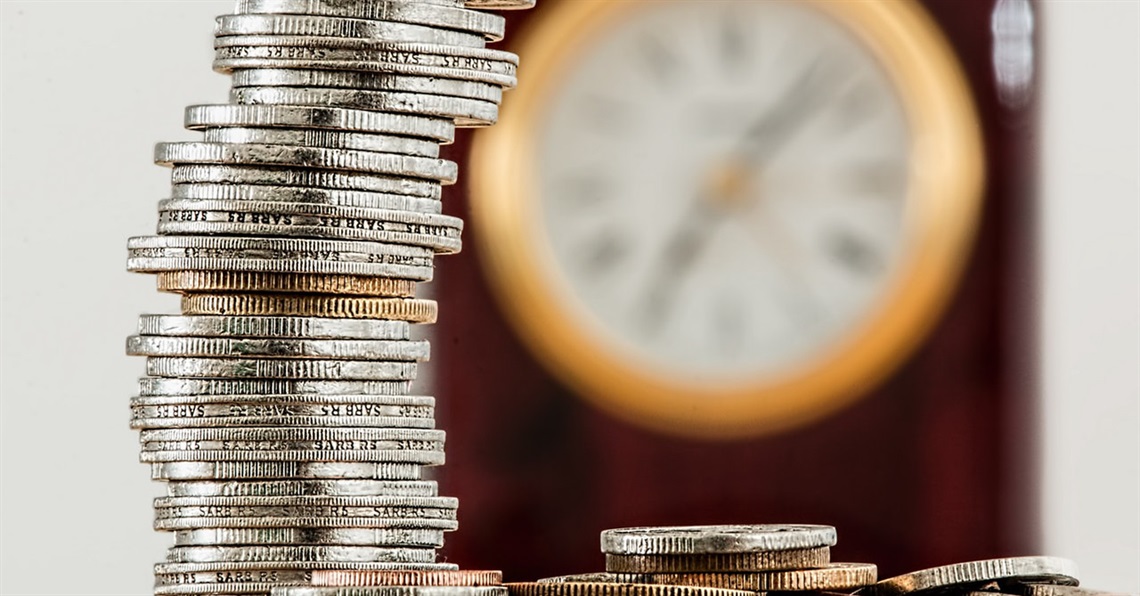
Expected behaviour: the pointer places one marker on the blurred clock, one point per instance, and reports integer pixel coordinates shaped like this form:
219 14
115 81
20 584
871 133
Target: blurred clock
723 219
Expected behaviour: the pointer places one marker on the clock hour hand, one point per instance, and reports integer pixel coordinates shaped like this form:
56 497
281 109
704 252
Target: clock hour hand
677 258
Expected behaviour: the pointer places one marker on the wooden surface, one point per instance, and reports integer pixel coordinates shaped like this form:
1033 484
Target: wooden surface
930 468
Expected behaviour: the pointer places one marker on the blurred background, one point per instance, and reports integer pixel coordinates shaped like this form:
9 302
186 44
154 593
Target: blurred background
870 264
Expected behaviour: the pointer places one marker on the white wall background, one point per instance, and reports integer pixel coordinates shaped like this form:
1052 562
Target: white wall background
89 86
1090 276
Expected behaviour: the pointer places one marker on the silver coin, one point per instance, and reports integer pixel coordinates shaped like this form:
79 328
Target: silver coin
299 405
456 19
277 77
390 456
314 196
492 67
417 537
271 327
237 368
394 591
687 540
283 29
332 438
406 503
283 488
269 176
228 60
186 582
263 388
295 517
1053 570
324 118
226 347
299 469
149 254
285 410
266 554
440 233
390 164
465 112
177 568
329 139
190 247
146 423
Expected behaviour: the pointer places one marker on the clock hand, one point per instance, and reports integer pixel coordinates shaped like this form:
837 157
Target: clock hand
678 257
768 134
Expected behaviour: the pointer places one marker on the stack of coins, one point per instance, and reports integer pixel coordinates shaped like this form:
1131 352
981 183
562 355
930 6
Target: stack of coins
711 561
747 560
277 405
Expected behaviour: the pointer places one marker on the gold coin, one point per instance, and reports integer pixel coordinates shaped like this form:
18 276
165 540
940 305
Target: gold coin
758 561
306 305
835 576
462 577
589 588
256 281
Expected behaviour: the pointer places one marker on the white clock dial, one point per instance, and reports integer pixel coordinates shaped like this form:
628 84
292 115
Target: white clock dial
723 185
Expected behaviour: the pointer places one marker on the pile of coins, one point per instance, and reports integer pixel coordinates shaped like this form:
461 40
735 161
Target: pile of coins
277 405
746 560
712 561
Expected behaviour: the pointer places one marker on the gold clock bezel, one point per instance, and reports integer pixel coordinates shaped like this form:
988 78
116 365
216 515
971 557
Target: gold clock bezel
943 208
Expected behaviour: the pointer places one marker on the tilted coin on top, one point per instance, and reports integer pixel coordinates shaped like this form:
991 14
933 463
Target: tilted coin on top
1047 570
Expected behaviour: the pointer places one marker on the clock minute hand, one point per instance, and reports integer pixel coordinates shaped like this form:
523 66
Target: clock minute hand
768 134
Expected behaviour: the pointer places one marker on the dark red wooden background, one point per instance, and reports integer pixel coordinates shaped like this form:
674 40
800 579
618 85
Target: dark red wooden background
932 467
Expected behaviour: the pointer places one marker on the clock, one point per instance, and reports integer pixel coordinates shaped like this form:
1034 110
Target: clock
725 219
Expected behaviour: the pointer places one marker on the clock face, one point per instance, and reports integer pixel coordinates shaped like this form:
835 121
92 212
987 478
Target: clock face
726 218
723 185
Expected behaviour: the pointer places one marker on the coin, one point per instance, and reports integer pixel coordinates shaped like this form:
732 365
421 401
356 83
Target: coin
298 469
320 31
371 81
465 112
305 177
237 368
285 30
259 388
575 588
395 591
329 139
440 233
688 540
416 537
272 327
265 554
333 349
392 164
253 281
835 576
400 11
1054 570
723 562
316 196
464 577
201 117
413 310
211 411
271 488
